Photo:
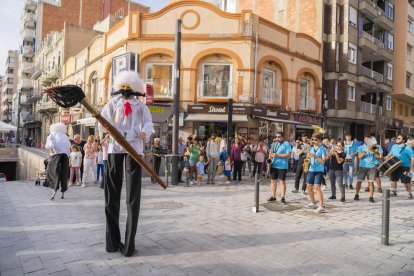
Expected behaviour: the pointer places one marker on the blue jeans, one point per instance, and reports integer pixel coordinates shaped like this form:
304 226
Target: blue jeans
314 178
348 173
99 169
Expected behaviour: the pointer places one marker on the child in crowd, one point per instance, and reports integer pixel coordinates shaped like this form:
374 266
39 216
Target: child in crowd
227 168
75 160
99 162
89 163
200 169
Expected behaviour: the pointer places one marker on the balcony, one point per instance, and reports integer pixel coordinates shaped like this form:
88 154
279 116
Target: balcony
307 103
32 118
368 8
34 97
369 108
271 96
377 77
47 107
26 67
384 54
30 5
162 88
37 70
25 84
7 99
384 21
28 50
53 74
28 34
220 89
369 43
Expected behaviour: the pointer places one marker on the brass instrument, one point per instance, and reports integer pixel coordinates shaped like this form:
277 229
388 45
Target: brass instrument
374 148
269 164
306 161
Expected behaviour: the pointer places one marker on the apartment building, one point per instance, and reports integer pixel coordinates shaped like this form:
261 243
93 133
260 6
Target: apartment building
9 85
403 96
358 66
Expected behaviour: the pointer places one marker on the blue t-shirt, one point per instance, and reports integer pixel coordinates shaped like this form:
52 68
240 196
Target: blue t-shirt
403 154
278 162
369 160
315 165
350 148
200 167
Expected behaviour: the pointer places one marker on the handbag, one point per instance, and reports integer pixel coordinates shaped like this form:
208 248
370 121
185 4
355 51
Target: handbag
219 169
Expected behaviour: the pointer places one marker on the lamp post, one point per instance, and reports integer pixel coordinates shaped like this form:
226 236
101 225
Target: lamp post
19 92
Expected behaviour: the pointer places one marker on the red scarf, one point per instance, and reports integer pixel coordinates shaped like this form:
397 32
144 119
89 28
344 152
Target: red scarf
127 108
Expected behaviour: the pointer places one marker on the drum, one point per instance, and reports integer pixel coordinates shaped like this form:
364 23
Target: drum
390 165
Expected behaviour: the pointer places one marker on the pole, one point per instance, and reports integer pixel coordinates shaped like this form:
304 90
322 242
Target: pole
18 117
174 174
385 218
256 194
229 125
377 113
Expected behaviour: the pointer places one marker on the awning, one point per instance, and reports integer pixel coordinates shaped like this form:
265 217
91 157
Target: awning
160 114
281 120
4 127
202 117
86 121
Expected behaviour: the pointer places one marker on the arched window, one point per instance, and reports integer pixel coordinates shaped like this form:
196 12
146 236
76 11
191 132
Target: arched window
93 84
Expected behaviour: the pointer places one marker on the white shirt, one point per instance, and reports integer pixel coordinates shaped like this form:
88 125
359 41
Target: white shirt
59 142
139 120
75 158
212 149
99 156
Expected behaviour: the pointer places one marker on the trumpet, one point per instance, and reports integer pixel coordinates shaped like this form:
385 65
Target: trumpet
374 148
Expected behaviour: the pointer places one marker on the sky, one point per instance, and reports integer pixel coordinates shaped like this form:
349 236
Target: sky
10 13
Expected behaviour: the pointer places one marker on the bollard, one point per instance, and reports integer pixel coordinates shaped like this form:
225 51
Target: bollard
256 182
385 218
187 175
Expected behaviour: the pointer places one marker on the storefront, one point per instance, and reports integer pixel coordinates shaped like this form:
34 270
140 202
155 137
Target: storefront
305 123
160 118
397 127
336 128
203 120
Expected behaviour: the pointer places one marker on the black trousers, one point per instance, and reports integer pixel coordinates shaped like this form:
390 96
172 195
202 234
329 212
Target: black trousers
180 168
105 162
113 186
257 167
57 171
237 170
298 175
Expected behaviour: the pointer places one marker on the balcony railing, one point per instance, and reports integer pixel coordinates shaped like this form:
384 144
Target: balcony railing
28 17
28 33
37 71
47 106
373 39
271 96
53 74
25 83
378 77
28 50
27 67
369 108
162 88
215 89
307 103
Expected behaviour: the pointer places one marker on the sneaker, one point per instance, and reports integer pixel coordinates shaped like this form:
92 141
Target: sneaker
367 189
295 191
70 184
346 186
311 206
351 187
409 197
191 182
393 193
323 187
304 193
77 183
271 199
332 197
320 210
356 197
227 182
342 199
380 190
283 201
371 199
83 185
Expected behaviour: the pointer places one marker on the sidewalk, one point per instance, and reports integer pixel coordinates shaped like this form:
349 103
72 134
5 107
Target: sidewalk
203 230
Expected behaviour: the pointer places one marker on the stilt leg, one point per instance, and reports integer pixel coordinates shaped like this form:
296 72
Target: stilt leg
53 195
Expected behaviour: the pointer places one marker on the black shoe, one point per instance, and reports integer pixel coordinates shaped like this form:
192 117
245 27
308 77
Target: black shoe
332 197
63 196
181 181
350 187
380 190
346 186
393 193
371 199
342 199
356 197
271 199
295 191
283 201
116 249
367 189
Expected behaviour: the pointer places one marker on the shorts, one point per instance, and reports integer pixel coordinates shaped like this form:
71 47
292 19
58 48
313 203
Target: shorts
314 178
368 173
278 174
192 163
227 172
398 174
376 173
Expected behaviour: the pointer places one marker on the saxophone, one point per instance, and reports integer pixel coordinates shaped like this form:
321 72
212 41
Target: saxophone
306 162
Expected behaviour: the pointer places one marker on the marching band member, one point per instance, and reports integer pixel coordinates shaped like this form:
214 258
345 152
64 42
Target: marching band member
367 165
318 155
377 163
280 154
350 149
406 155
302 151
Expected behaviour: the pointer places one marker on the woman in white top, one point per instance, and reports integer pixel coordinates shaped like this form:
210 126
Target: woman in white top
260 153
89 161
75 161
58 144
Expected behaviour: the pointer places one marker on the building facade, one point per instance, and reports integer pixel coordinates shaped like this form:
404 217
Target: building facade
9 85
220 51
403 96
358 66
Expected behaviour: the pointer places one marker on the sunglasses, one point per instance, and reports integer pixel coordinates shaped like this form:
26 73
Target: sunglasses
278 137
315 139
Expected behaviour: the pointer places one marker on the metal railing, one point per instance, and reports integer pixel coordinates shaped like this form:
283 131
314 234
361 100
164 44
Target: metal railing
373 39
271 96
370 108
372 74
162 88
307 103
215 89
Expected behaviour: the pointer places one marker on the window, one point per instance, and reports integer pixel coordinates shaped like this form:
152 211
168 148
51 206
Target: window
390 42
401 110
160 75
337 51
353 16
352 53
409 51
268 91
408 80
410 26
389 71
390 12
303 94
351 92
405 111
217 80
388 103
336 90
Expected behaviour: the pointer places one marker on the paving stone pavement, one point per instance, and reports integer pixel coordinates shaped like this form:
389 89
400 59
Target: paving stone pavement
202 230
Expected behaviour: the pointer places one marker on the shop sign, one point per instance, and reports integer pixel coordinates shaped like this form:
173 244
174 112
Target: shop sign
307 119
217 109
156 109
76 116
65 118
263 111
